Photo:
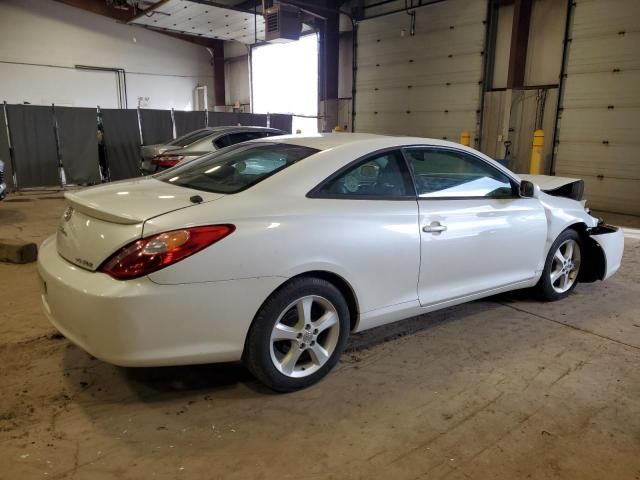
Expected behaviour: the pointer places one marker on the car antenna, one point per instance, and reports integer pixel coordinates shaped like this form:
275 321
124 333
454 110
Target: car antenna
196 199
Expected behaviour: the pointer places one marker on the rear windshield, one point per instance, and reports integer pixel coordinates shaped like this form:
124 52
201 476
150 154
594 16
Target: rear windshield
191 137
235 168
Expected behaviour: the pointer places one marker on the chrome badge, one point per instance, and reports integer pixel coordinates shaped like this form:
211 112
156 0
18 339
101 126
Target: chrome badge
67 214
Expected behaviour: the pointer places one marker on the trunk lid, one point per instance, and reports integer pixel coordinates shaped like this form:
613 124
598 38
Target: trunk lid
100 220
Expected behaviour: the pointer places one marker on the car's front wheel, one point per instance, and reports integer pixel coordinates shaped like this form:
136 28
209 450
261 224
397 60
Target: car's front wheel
562 267
298 335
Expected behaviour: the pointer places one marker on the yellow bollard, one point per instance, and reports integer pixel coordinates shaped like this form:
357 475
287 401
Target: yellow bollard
536 152
465 138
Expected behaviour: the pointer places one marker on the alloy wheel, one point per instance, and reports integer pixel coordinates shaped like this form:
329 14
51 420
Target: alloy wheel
565 266
305 336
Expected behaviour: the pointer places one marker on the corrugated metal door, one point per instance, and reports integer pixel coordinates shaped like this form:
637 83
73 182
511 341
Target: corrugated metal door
599 126
427 84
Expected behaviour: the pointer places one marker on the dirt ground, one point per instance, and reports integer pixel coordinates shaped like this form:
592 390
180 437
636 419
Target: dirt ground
505 388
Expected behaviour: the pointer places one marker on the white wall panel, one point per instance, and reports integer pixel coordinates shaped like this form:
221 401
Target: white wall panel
237 81
427 84
502 46
544 48
43 32
44 86
599 127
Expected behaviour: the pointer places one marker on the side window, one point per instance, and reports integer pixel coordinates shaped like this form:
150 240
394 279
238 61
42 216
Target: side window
243 137
238 137
274 134
383 175
222 142
445 174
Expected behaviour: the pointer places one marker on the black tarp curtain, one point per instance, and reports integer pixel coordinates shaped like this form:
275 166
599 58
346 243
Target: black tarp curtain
34 144
220 119
121 140
78 137
186 122
46 138
282 122
156 126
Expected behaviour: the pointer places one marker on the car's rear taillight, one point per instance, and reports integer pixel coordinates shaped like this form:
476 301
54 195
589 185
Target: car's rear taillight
167 161
148 255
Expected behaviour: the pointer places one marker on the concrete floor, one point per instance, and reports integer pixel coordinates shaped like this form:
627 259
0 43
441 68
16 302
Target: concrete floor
505 388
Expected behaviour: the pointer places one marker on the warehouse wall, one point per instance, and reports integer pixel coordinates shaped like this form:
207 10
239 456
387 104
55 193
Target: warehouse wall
160 68
428 84
502 47
544 48
599 125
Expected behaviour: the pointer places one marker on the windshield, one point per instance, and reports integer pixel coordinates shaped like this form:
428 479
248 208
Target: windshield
235 168
191 137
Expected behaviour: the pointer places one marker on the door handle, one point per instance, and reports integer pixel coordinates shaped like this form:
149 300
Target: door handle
434 227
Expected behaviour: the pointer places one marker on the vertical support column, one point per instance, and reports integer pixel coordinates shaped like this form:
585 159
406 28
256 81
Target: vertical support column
140 126
219 94
519 42
329 63
54 124
173 123
12 159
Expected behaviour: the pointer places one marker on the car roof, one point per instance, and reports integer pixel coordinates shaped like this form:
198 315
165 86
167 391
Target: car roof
231 128
326 141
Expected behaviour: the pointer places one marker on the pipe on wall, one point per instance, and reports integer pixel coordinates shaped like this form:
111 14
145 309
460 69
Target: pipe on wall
121 79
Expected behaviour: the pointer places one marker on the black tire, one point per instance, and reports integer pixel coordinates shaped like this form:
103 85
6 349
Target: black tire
544 287
257 352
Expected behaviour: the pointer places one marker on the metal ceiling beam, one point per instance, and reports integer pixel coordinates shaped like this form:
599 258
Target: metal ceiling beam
249 5
101 8
222 5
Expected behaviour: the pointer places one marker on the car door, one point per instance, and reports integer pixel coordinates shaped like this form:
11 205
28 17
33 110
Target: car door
477 234
369 211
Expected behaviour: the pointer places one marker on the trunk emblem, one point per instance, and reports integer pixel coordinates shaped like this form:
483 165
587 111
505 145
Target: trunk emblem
67 214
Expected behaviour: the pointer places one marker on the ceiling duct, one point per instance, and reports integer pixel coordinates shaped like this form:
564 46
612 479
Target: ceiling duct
283 23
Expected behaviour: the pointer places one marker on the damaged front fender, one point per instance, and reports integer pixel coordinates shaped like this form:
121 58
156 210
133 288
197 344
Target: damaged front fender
603 248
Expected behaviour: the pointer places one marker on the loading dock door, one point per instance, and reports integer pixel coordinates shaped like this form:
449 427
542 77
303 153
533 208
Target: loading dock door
426 84
599 125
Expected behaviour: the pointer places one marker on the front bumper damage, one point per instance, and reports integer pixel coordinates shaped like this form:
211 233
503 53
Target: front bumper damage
604 248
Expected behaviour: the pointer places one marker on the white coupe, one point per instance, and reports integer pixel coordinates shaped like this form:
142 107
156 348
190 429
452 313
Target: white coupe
273 251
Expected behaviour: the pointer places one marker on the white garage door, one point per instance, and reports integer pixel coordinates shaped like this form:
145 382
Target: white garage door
599 127
427 84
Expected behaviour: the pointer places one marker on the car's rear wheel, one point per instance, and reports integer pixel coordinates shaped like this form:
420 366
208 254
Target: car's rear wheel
298 335
562 267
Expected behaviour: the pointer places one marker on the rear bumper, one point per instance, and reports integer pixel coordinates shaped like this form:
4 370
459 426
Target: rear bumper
611 241
146 167
141 323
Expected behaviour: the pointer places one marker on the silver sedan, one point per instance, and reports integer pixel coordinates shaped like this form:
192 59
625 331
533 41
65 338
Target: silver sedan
197 143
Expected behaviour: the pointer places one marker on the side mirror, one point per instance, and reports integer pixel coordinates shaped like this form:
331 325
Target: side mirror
527 189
